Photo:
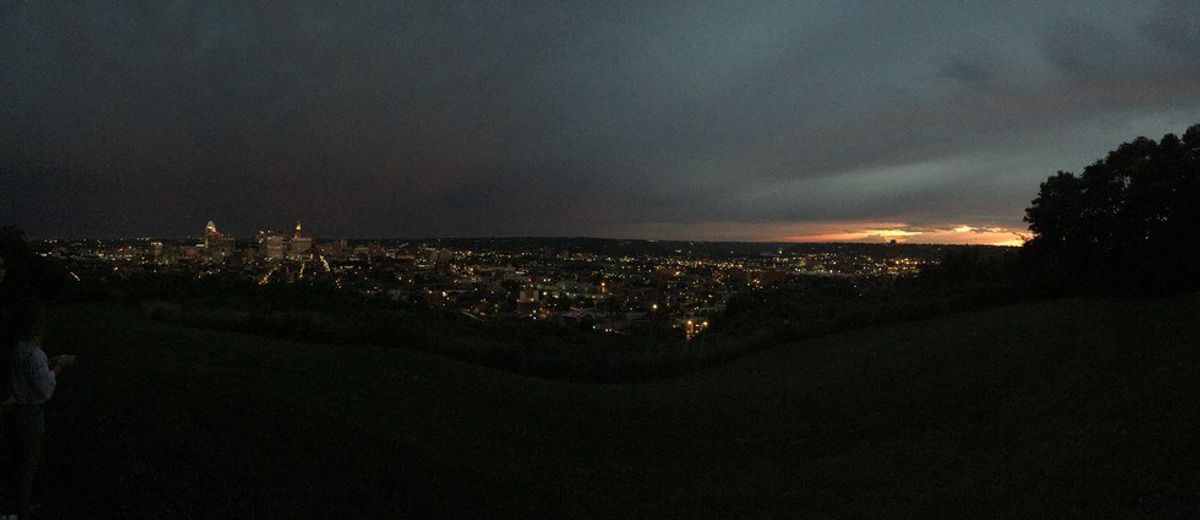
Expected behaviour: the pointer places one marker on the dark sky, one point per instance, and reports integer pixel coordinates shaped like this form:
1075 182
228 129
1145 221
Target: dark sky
699 120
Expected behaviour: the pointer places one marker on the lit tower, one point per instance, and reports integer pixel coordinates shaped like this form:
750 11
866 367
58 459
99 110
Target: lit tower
211 235
301 246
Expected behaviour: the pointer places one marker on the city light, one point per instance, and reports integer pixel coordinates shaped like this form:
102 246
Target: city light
670 288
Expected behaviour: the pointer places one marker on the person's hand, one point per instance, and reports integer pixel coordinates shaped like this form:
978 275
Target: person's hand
64 361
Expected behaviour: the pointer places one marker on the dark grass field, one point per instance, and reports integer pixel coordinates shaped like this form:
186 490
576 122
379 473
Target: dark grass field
1075 408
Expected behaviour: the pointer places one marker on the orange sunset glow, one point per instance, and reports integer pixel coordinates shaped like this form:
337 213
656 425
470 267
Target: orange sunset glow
992 236
841 231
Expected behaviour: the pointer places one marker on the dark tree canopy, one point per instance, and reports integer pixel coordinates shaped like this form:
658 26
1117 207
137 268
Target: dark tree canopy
1128 224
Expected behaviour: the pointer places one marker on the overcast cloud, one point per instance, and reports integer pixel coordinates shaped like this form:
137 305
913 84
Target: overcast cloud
707 120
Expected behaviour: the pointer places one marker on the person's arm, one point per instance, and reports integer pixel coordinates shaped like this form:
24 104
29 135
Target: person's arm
61 362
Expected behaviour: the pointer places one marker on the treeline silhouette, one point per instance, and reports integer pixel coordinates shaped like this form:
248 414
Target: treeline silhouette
1126 225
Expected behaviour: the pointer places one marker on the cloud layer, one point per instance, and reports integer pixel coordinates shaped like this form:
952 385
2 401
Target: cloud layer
667 119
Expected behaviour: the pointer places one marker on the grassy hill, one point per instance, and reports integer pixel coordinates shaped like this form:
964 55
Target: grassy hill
1074 408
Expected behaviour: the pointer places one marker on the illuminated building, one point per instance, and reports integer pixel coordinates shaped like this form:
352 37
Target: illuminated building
527 296
211 235
276 247
217 246
301 248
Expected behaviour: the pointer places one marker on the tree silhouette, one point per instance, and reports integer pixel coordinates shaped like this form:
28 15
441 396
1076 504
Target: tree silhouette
1128 224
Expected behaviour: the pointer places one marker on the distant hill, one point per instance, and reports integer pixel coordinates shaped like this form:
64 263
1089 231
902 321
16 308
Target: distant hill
1068 408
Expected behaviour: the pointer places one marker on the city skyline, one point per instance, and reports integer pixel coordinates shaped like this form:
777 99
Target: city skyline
919 123
881 233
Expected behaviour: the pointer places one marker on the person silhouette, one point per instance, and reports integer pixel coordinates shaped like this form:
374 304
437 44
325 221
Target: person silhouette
32 379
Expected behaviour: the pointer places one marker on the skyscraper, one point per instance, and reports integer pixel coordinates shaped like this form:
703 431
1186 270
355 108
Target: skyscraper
301 245
276 247
217 246
211 235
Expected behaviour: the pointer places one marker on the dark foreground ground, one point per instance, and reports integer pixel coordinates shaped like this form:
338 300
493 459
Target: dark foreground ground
1078 408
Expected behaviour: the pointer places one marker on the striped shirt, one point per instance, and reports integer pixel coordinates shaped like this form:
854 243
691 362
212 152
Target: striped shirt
30 379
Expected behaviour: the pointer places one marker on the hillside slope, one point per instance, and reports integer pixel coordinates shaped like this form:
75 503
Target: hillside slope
1077 408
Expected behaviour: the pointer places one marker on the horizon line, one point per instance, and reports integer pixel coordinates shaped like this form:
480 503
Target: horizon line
548 237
